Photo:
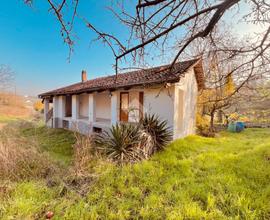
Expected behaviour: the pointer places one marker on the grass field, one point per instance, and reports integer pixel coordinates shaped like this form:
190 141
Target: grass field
194 178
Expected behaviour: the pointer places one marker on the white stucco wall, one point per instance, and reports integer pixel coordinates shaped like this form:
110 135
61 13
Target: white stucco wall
58 110
55 106
75 107
176 104
103 105
54 110
185 94
83 105
161 102
59 106
134 106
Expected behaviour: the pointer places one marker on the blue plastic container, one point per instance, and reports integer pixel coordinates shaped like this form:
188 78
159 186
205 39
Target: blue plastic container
240 126
236 126
232 127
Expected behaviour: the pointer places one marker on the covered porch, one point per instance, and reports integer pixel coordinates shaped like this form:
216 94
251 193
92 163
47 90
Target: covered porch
96 111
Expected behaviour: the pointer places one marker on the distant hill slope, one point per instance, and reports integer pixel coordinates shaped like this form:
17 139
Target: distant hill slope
15 106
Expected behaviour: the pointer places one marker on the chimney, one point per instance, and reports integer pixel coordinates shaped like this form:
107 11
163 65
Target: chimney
84 76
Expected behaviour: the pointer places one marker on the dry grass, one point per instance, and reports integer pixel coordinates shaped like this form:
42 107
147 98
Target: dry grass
83 153
20 157
29 151
2 125
13 106
16 111
85 160
10 99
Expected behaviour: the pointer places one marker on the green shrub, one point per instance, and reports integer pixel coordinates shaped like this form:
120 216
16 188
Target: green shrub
121 143
158 130
134 142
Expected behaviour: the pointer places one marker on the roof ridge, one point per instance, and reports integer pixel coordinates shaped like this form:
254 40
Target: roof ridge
134 71
131 78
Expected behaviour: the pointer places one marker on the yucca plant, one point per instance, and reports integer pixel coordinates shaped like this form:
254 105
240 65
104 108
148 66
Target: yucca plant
159 131
121 143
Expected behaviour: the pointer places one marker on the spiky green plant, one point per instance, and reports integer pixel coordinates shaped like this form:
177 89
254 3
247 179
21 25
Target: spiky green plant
159 131
121 143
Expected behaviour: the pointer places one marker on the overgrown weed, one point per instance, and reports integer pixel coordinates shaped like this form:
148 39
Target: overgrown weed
20 157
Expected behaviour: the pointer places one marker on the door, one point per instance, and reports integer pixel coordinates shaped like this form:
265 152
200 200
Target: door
124 102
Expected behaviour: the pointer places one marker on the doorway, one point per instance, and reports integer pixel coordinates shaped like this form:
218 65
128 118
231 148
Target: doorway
124 104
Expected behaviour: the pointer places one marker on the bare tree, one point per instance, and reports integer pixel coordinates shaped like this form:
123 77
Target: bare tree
156 19
174 25
254 101
171 23
221 82
6 77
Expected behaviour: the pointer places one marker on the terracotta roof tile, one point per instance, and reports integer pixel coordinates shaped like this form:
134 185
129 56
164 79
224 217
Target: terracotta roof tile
145 77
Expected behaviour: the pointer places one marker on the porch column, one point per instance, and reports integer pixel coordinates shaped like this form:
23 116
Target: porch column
75 107
46 109
114 107
55 110
59 108
61 102
92 107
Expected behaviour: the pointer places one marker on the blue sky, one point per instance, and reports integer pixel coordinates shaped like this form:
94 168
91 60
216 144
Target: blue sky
30 43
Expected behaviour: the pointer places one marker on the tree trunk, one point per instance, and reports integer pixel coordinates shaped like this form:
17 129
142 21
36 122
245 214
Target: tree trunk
220 116
203 110
212 116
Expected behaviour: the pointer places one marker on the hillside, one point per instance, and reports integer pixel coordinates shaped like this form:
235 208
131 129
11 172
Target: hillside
15 106
194 178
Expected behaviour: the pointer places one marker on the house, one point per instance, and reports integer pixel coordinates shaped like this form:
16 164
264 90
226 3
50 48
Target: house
94 105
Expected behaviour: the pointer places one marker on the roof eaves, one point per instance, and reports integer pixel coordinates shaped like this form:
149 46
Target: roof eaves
174 78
